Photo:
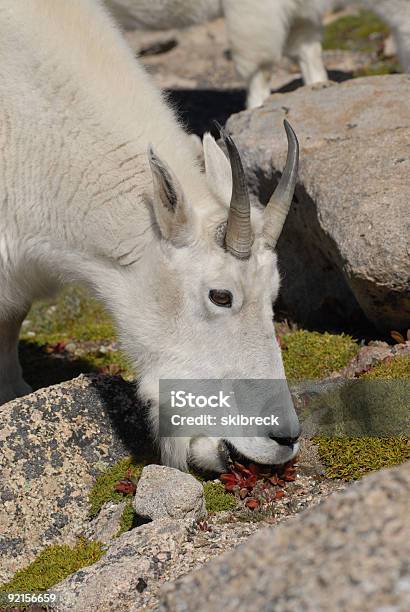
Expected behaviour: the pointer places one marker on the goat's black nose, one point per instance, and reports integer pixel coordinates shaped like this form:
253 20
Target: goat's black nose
284 441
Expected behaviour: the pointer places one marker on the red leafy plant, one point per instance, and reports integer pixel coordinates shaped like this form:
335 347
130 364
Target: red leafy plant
57 349
113 369
204 526
242 480
127 485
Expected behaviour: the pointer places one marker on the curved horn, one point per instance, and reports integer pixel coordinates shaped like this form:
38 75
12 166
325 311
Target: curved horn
238 237
278 206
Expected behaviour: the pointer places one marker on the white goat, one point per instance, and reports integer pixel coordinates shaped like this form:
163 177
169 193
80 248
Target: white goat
262 32
169 250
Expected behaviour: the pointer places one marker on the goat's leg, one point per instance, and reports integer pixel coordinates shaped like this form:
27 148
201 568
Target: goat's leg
401 35
257 33
12 384
258 88
311 63
304 45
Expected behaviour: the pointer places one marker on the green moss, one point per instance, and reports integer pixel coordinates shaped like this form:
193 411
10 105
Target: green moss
54 564
309 355
386 66
351 458
72 314
104 487
216 498
365 33
128 518
117 360
390 369
355 33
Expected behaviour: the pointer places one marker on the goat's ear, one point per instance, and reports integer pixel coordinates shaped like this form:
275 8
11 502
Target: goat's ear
217 170
170 206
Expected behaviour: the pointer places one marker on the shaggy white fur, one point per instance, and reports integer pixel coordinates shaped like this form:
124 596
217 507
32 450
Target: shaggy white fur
82 200
262 32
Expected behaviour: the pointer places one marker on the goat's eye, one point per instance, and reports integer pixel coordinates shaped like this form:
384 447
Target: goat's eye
221 297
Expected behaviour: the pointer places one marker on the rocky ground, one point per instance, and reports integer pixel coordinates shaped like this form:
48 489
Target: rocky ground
57 441
349 553
200 543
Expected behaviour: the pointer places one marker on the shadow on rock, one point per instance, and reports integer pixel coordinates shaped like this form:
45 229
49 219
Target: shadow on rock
128 415
198 108
338 76
117 398
42 369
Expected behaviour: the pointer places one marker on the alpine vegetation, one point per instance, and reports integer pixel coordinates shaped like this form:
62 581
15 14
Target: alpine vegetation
396 14
100 185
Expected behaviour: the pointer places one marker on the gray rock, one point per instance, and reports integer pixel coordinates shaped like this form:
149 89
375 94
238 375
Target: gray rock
345 246
53 443
135 564
166 492
105 526
349 553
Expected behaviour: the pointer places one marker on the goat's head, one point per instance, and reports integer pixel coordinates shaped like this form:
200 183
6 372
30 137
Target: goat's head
210 283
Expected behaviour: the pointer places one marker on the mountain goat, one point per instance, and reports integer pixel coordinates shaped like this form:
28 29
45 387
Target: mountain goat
99 184
262 32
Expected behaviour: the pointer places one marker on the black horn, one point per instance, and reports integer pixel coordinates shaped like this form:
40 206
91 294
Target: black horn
279 204
238 237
